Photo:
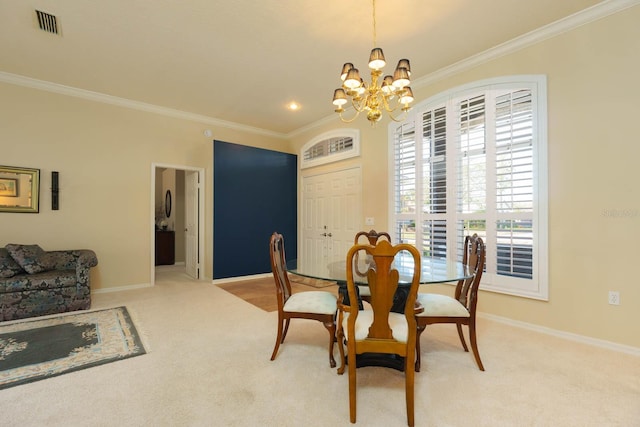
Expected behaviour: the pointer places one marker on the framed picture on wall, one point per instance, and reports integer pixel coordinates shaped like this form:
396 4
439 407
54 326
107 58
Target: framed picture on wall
8 187
19 189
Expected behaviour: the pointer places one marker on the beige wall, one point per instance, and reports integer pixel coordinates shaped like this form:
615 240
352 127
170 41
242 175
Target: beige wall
593 93
104 155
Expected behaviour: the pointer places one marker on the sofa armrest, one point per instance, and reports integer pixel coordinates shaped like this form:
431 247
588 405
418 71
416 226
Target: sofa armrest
78 259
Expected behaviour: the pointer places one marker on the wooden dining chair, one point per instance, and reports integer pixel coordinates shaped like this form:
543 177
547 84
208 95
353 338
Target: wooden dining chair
460 309
379 330
315 305
372 237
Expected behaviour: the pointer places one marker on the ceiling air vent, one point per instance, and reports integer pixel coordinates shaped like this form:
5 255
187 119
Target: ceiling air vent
47 22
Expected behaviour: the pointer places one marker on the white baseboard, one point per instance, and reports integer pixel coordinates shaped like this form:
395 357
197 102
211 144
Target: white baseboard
121 288
240 278
634 351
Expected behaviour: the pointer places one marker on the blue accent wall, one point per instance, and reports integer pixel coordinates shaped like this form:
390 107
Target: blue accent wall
254 194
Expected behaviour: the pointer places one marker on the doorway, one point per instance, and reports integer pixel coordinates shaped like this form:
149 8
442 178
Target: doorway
177 220
331 214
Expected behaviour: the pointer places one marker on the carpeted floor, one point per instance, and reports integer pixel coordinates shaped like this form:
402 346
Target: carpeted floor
262 292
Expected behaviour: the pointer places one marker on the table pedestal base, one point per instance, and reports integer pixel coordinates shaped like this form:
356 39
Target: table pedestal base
392 361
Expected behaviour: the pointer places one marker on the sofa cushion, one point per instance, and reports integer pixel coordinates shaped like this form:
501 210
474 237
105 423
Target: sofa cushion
32 258
8 266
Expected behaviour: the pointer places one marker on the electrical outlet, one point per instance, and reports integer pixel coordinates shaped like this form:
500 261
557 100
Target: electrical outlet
368 221
614 297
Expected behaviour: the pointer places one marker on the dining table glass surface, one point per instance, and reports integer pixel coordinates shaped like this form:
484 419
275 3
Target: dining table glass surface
433 270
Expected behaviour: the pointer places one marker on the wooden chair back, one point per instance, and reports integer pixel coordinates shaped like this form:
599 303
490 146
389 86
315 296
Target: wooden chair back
372 236
279 269
474 258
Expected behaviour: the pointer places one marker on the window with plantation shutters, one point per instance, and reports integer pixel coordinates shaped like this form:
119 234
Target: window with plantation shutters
474 161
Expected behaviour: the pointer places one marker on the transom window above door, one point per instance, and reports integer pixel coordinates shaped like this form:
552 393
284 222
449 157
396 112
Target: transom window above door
330 147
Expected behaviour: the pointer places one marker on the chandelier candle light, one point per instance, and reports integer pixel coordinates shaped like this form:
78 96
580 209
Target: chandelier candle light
375 96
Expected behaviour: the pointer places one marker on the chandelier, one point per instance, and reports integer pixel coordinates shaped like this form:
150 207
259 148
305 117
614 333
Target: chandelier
391 94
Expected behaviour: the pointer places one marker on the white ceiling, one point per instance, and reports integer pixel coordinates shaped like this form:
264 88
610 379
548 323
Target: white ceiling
242 61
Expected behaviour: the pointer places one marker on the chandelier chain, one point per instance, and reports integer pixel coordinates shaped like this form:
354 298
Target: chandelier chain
374 24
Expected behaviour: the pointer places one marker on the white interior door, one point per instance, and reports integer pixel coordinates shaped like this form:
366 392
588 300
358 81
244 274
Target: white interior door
191 224
331 212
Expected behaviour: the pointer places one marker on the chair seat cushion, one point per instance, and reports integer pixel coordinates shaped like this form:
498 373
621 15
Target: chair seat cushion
436 305
397 322
319 302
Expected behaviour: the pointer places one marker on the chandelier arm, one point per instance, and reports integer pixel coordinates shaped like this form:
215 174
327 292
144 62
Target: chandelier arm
385 103
359 106
349 120
399 118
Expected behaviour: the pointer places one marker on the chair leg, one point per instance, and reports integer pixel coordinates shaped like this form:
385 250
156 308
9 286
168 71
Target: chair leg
286 329
331 327
340 339
461 335
421 329
474 344
279 338
409 389
352 387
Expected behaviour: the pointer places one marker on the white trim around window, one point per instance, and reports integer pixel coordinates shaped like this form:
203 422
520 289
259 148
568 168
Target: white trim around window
474 159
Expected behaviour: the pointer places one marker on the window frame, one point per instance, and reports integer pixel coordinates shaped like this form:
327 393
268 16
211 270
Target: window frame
538 286
354 134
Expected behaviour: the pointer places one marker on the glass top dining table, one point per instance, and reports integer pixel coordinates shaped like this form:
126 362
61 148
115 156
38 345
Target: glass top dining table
433 270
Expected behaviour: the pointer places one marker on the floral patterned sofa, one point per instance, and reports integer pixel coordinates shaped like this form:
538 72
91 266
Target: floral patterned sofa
34 282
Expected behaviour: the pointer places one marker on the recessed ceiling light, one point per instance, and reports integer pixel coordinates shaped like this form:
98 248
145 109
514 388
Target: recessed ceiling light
293 106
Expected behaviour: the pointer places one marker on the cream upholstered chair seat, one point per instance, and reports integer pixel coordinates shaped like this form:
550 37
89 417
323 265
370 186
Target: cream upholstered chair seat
397 322
311 302
441 305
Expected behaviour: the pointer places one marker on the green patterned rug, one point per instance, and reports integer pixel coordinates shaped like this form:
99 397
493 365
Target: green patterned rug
36 349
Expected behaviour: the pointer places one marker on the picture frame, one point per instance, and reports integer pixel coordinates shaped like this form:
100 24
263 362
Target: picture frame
8 187
19 189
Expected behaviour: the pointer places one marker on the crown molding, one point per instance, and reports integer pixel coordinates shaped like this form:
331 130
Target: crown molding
29 82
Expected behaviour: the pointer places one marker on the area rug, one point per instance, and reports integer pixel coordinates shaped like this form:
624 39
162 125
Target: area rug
261 292
36 349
